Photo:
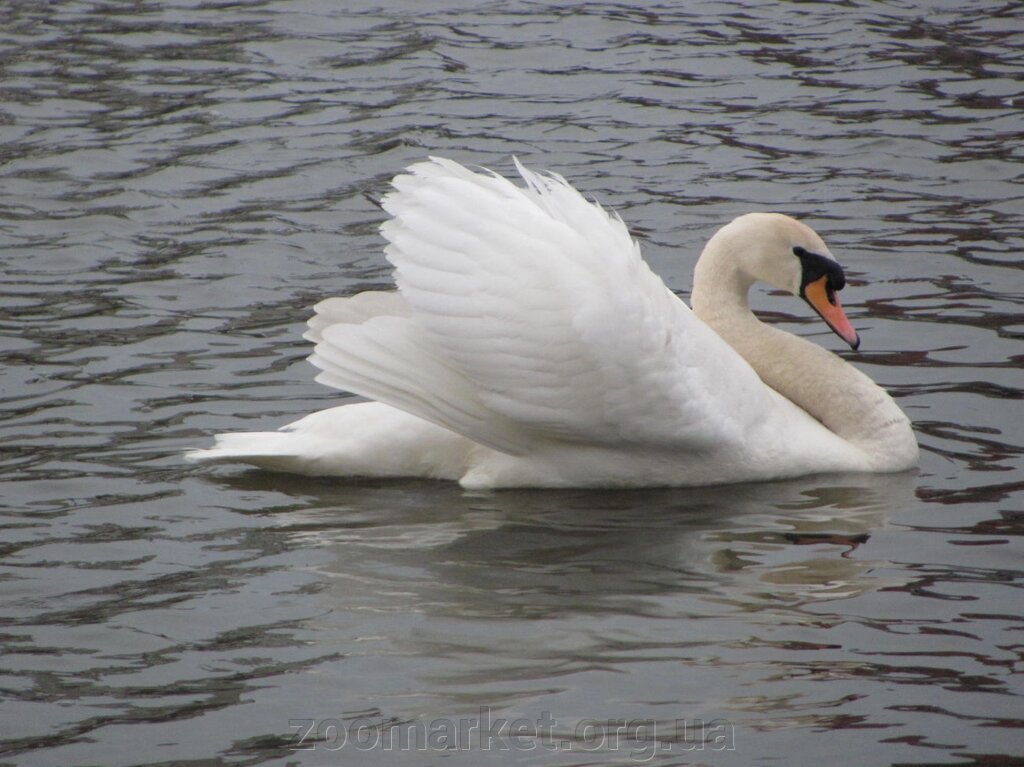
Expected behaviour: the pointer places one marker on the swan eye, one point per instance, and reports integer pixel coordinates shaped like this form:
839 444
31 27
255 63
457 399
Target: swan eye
815 266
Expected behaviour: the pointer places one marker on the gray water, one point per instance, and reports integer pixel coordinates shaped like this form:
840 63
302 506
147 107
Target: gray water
180 183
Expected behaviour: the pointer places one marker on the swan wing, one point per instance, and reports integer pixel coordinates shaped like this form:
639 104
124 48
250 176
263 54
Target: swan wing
529 315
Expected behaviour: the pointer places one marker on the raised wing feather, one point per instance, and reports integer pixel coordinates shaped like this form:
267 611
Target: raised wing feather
541 303
392 360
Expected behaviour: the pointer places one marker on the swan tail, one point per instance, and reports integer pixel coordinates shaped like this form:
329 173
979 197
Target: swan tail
271 450
363 439
426 419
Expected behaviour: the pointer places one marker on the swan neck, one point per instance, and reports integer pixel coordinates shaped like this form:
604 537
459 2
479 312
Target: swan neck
821 383
720 287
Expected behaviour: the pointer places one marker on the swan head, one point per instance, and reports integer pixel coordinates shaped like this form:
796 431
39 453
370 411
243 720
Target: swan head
788 255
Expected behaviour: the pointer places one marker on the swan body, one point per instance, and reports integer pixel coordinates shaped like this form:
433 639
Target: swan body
529 344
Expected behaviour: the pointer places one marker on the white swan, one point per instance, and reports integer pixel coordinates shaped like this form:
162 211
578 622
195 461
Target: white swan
529 344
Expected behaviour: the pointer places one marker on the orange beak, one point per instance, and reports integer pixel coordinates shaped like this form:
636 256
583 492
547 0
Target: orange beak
826 303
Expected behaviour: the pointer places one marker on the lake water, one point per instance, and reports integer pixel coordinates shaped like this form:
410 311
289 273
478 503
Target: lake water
182 181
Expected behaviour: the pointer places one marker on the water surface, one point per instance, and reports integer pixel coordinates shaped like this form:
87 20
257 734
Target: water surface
182 181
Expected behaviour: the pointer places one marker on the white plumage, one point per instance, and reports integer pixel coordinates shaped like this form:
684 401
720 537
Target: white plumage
529 344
